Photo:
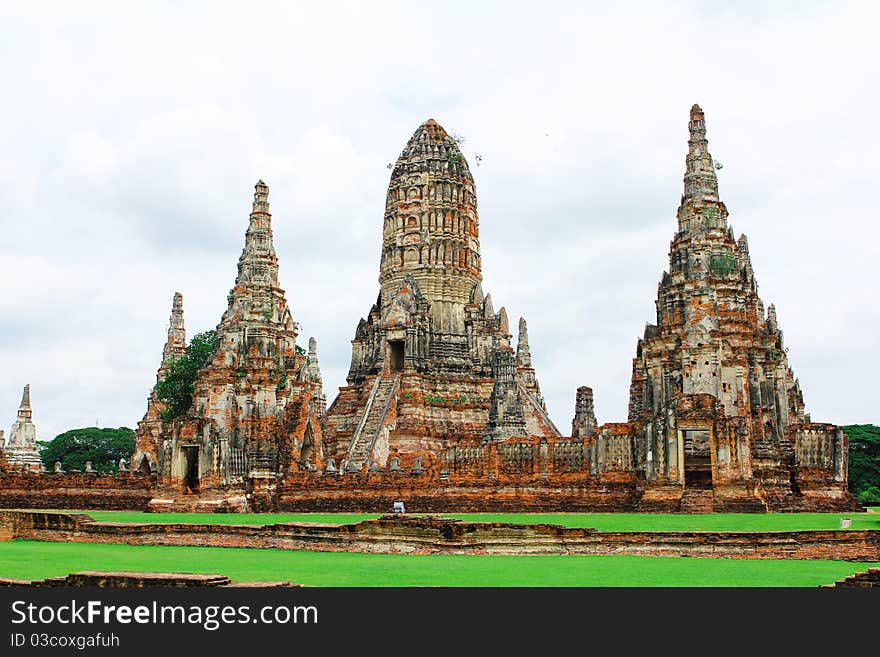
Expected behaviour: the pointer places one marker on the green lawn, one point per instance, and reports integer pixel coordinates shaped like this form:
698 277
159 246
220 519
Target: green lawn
33 560
600 521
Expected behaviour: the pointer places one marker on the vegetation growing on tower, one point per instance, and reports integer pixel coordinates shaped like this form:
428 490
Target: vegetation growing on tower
176 389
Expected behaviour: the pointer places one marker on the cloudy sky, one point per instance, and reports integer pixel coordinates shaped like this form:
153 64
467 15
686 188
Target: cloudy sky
131 137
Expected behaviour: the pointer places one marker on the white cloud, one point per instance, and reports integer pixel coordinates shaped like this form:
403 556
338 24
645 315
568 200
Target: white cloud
133 136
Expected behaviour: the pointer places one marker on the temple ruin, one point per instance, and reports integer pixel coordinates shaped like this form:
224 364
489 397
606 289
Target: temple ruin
148 437
442 412
432 366
716 413
20 449
258 404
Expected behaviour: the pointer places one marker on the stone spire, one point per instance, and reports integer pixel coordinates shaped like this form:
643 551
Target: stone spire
175 343
700 180
523 354
175 346
742 245
312 372
24 410
506 418
258 264
700 209
525 372
312 368
584 423
257 306
21 448
147 436
772 323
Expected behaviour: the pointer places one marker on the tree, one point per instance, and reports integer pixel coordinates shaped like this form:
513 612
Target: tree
175 391
864 462
103 447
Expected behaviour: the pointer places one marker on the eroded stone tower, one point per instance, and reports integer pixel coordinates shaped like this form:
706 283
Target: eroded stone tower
584 423
257 406
21 446
713 400
424 360
149 431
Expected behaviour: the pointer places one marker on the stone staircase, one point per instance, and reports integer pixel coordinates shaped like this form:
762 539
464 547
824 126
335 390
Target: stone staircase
697 500
364 438
867 579
660 498
537 407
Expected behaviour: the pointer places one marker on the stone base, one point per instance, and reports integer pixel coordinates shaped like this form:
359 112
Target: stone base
661 498
744 498
867 579
377 493
137 580
737 498
28 490
25 460
426 491
224 503
403 534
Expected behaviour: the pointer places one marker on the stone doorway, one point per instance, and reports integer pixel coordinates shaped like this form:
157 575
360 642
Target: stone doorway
395 355
191 472
307 452
697 458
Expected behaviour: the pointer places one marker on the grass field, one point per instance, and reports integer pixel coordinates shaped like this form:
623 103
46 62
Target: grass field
33 560
600 521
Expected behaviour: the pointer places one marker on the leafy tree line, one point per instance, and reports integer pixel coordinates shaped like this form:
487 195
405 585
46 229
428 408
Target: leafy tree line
864 462
103 447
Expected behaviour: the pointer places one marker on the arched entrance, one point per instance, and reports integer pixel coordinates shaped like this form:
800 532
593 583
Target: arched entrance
144 466
191 473
697 458
307 452
395 355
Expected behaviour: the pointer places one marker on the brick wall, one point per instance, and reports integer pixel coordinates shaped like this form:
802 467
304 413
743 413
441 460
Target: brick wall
376 492
426 492
22 490
432 535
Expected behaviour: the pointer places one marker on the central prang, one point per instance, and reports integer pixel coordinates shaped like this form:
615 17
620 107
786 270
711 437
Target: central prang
432 366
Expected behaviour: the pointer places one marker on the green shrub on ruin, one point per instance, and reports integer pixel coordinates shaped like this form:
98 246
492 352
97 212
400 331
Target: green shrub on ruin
722 264
175 391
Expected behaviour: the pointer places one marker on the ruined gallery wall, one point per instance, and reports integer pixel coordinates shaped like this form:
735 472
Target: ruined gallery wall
432 535
376 492
25 490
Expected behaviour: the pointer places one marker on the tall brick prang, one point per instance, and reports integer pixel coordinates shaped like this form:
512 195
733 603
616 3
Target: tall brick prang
422 370
257 405
713 400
